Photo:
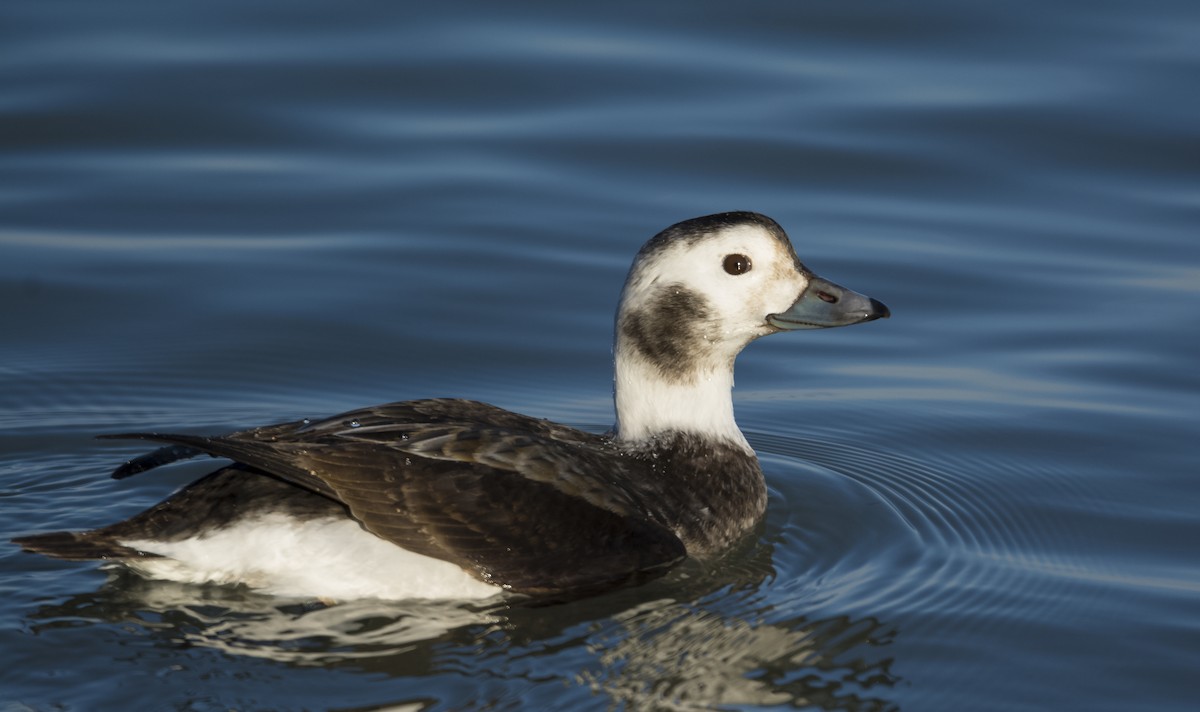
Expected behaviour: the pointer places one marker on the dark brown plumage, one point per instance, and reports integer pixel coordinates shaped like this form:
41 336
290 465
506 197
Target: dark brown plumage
528 505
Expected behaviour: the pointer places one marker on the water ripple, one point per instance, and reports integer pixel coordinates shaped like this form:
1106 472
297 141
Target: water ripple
951 532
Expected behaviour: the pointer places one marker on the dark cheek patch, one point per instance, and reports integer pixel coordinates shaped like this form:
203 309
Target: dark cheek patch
669 331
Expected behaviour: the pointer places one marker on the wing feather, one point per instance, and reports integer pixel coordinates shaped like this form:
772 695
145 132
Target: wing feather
523 503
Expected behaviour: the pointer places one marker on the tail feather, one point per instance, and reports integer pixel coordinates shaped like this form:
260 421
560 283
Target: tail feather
78 546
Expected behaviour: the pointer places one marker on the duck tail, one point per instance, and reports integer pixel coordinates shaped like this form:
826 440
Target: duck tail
77 546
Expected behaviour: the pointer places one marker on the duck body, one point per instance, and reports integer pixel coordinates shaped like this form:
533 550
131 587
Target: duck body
448 498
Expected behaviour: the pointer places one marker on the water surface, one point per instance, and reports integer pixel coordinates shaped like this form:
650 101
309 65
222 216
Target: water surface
221 215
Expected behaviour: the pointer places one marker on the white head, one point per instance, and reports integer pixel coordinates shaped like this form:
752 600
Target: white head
697 293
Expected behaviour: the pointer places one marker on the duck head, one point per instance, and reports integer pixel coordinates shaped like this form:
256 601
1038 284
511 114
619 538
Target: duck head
698 292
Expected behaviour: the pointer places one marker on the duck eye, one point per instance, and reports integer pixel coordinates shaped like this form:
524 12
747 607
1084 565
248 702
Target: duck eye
737 264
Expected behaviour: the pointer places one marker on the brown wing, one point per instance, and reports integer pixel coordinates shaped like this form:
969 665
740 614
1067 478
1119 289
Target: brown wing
522 503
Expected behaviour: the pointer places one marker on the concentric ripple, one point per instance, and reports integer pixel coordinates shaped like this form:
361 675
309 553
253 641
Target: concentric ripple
864 529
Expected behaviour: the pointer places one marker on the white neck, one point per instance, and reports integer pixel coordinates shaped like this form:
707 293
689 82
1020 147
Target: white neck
649 404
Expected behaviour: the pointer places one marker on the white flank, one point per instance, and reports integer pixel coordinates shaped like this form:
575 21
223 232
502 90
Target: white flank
323 558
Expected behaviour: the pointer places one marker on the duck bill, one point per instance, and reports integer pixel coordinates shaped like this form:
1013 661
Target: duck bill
824 304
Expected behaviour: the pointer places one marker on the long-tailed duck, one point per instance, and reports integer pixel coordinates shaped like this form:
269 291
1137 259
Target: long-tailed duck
451 498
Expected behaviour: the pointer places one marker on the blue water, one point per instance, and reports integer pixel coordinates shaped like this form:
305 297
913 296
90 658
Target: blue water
217 215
